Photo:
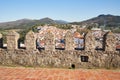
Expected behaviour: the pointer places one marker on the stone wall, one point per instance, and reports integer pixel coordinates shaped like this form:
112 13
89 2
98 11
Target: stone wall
87 58
61 59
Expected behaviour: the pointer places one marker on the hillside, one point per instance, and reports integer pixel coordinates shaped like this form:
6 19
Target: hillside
107 20
61 22
26 23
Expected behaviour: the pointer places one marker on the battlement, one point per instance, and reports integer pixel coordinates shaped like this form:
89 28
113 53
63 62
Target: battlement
109 41
89 57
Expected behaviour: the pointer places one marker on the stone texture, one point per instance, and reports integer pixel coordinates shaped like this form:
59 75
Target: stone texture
110 42
69 58
69 41
12 40
89 42
1 41
49 41
60 59
30 41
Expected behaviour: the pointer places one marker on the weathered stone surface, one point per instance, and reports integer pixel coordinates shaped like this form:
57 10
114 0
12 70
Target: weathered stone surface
12 40
110 42
30 41
60 59
49 41
69 58
89 42
69 41
1 41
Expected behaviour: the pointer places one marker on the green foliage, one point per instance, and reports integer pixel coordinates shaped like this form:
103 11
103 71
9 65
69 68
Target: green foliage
81 31
89 27
116 31
64 26
4 33
22 34
25 31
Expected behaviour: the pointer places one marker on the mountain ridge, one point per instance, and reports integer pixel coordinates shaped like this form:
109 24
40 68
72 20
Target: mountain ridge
22 23
107 20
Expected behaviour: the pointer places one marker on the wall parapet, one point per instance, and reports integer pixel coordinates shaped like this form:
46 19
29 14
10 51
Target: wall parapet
109 41
12 40
61 59
30 41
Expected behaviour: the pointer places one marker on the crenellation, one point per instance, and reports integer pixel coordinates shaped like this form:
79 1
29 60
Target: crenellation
30 41
69 43
87 58
110 42
49 41
89 42
12 40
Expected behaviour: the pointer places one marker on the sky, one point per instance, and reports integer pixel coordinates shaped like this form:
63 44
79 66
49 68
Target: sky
68 10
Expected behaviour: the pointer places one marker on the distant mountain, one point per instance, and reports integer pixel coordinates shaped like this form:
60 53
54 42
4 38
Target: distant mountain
51 21
47 21
22 23
61 22
107 20
25 23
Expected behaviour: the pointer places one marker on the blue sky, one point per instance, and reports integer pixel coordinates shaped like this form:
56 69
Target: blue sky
69 10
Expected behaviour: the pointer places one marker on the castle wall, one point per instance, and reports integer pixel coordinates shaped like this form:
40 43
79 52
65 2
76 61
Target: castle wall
61 59
87 58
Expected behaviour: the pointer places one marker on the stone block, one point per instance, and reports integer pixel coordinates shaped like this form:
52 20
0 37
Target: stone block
12 40
69 41
49 41
30 41
110 42
89 42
